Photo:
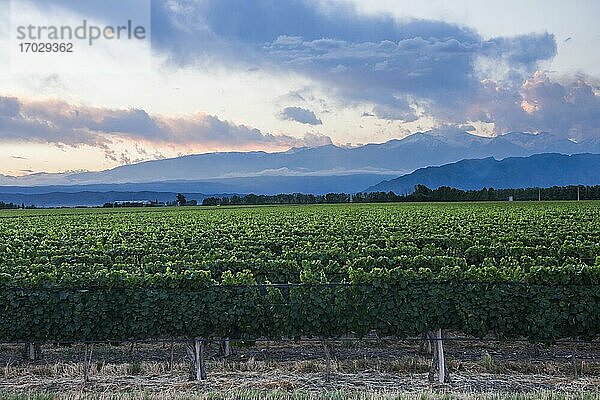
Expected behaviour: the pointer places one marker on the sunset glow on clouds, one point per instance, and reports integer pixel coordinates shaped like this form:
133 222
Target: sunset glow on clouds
279 74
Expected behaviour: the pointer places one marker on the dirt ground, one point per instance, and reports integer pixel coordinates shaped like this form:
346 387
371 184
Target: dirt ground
370 366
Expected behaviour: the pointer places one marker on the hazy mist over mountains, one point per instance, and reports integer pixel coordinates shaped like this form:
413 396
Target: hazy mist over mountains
448 157
392 158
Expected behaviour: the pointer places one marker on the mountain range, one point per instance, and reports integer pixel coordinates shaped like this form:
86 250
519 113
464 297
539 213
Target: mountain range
541 170
316 170
393 158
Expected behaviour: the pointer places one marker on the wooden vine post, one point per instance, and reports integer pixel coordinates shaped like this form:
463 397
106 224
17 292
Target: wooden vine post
226 347
425 345
439 360
87 362
172 350
33 351
440 356
196 350
329 353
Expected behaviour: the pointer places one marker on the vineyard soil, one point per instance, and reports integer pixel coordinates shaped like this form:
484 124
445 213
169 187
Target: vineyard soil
367 366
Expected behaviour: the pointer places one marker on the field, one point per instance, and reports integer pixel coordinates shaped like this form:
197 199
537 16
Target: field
497 271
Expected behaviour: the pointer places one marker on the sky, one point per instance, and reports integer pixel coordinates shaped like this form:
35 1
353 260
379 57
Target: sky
237 75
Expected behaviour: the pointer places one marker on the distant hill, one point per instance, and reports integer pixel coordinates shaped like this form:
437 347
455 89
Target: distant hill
542 170
393 158
98 194
257 184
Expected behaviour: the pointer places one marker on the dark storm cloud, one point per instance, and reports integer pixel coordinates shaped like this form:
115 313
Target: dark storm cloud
62 123
404 68
362 58
571 108
301 115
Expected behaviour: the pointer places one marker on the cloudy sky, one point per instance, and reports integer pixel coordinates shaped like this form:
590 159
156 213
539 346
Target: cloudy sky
270 74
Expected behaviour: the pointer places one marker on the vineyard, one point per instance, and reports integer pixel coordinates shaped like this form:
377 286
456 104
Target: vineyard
510 270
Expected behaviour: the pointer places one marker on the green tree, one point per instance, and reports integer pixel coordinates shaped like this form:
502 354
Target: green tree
181 200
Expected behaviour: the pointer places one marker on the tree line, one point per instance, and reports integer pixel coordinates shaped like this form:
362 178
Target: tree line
421 194
8 206
13 206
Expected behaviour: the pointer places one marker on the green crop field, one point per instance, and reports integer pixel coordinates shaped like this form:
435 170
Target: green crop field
529 270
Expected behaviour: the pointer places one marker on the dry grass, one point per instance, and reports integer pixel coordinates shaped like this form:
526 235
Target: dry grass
299 371
298 395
